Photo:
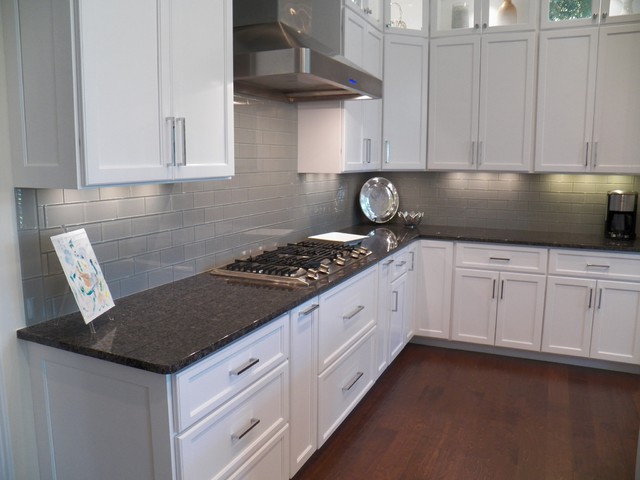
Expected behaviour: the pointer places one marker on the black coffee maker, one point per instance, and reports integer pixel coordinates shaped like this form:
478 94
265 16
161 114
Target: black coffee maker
621 215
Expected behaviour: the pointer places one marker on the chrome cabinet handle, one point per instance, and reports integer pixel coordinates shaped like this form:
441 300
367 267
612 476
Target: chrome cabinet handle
590 297
368 150
181 126
253 423
358 309
395 308
353 381
401 264
500 259
596 265
605 15
594 16
586 156
170 123
243 368
600 299
501 289
387 263
387 151
412 261
493 290
309 310
473 153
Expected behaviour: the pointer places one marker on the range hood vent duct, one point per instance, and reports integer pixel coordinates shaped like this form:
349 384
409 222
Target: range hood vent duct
273 59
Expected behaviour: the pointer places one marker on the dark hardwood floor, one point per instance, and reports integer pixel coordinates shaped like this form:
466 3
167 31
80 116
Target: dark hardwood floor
446 414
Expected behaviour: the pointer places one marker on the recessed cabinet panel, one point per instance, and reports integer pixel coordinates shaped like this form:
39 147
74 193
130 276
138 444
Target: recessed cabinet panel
568 316
566 87
520 311
123 128
404 125
454 83
475 306
507 87
617 112
201 93
616 323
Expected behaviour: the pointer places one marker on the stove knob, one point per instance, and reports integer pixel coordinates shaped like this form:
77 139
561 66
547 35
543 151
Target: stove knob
324 268
355 254
313 274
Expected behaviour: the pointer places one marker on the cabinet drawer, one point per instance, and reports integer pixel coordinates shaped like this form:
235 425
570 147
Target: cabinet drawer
271 461
341 387
218 444
624 266
402 264
507 258
346 313
206 385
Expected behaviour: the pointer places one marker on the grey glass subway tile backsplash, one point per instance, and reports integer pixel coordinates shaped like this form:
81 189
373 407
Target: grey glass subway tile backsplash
149 235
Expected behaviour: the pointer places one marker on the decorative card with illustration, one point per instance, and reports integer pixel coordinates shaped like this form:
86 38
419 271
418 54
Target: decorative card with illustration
83 273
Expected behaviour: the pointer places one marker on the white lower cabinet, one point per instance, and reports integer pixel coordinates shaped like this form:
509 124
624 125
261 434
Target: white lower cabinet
589 317
497 307
222 442
303 365
432 310
343 384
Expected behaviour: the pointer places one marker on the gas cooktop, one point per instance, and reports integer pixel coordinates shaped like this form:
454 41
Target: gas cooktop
301 263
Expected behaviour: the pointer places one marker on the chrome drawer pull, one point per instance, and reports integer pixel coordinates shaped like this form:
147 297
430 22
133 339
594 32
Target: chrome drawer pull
500 259
307 311
348 387
401 264
253 423
358 309
590 297
243 368
387 263
395 309
600 299
595 265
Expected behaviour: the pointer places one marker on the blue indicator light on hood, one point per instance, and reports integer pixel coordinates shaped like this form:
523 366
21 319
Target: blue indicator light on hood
353 82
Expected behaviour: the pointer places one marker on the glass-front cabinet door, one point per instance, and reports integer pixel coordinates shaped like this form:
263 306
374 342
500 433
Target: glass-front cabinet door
406 16
565 13
369 9
455 17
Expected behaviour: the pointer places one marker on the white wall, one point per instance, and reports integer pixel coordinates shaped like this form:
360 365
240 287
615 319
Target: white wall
18 457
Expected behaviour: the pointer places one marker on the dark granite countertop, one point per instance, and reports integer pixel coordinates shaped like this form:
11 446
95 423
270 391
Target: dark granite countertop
168 328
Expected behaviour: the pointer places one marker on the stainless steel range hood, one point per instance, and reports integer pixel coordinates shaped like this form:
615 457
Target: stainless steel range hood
276 57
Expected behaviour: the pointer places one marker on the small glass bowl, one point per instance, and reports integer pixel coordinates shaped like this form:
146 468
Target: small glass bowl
411 219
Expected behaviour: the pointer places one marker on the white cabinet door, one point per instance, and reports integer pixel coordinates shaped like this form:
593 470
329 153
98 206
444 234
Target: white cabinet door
581 128
617 109
433 293
475 306
303 388
404 122
121 91
520 310
202 88
384 314
127 94
507 86
566 88
397 328
616 322
454 89
568 315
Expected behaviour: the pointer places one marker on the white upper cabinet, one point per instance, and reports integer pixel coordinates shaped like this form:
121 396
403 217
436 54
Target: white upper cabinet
588 103
404 116
481 102
371 10
338 137
457 17
130 93
406 16
558 13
